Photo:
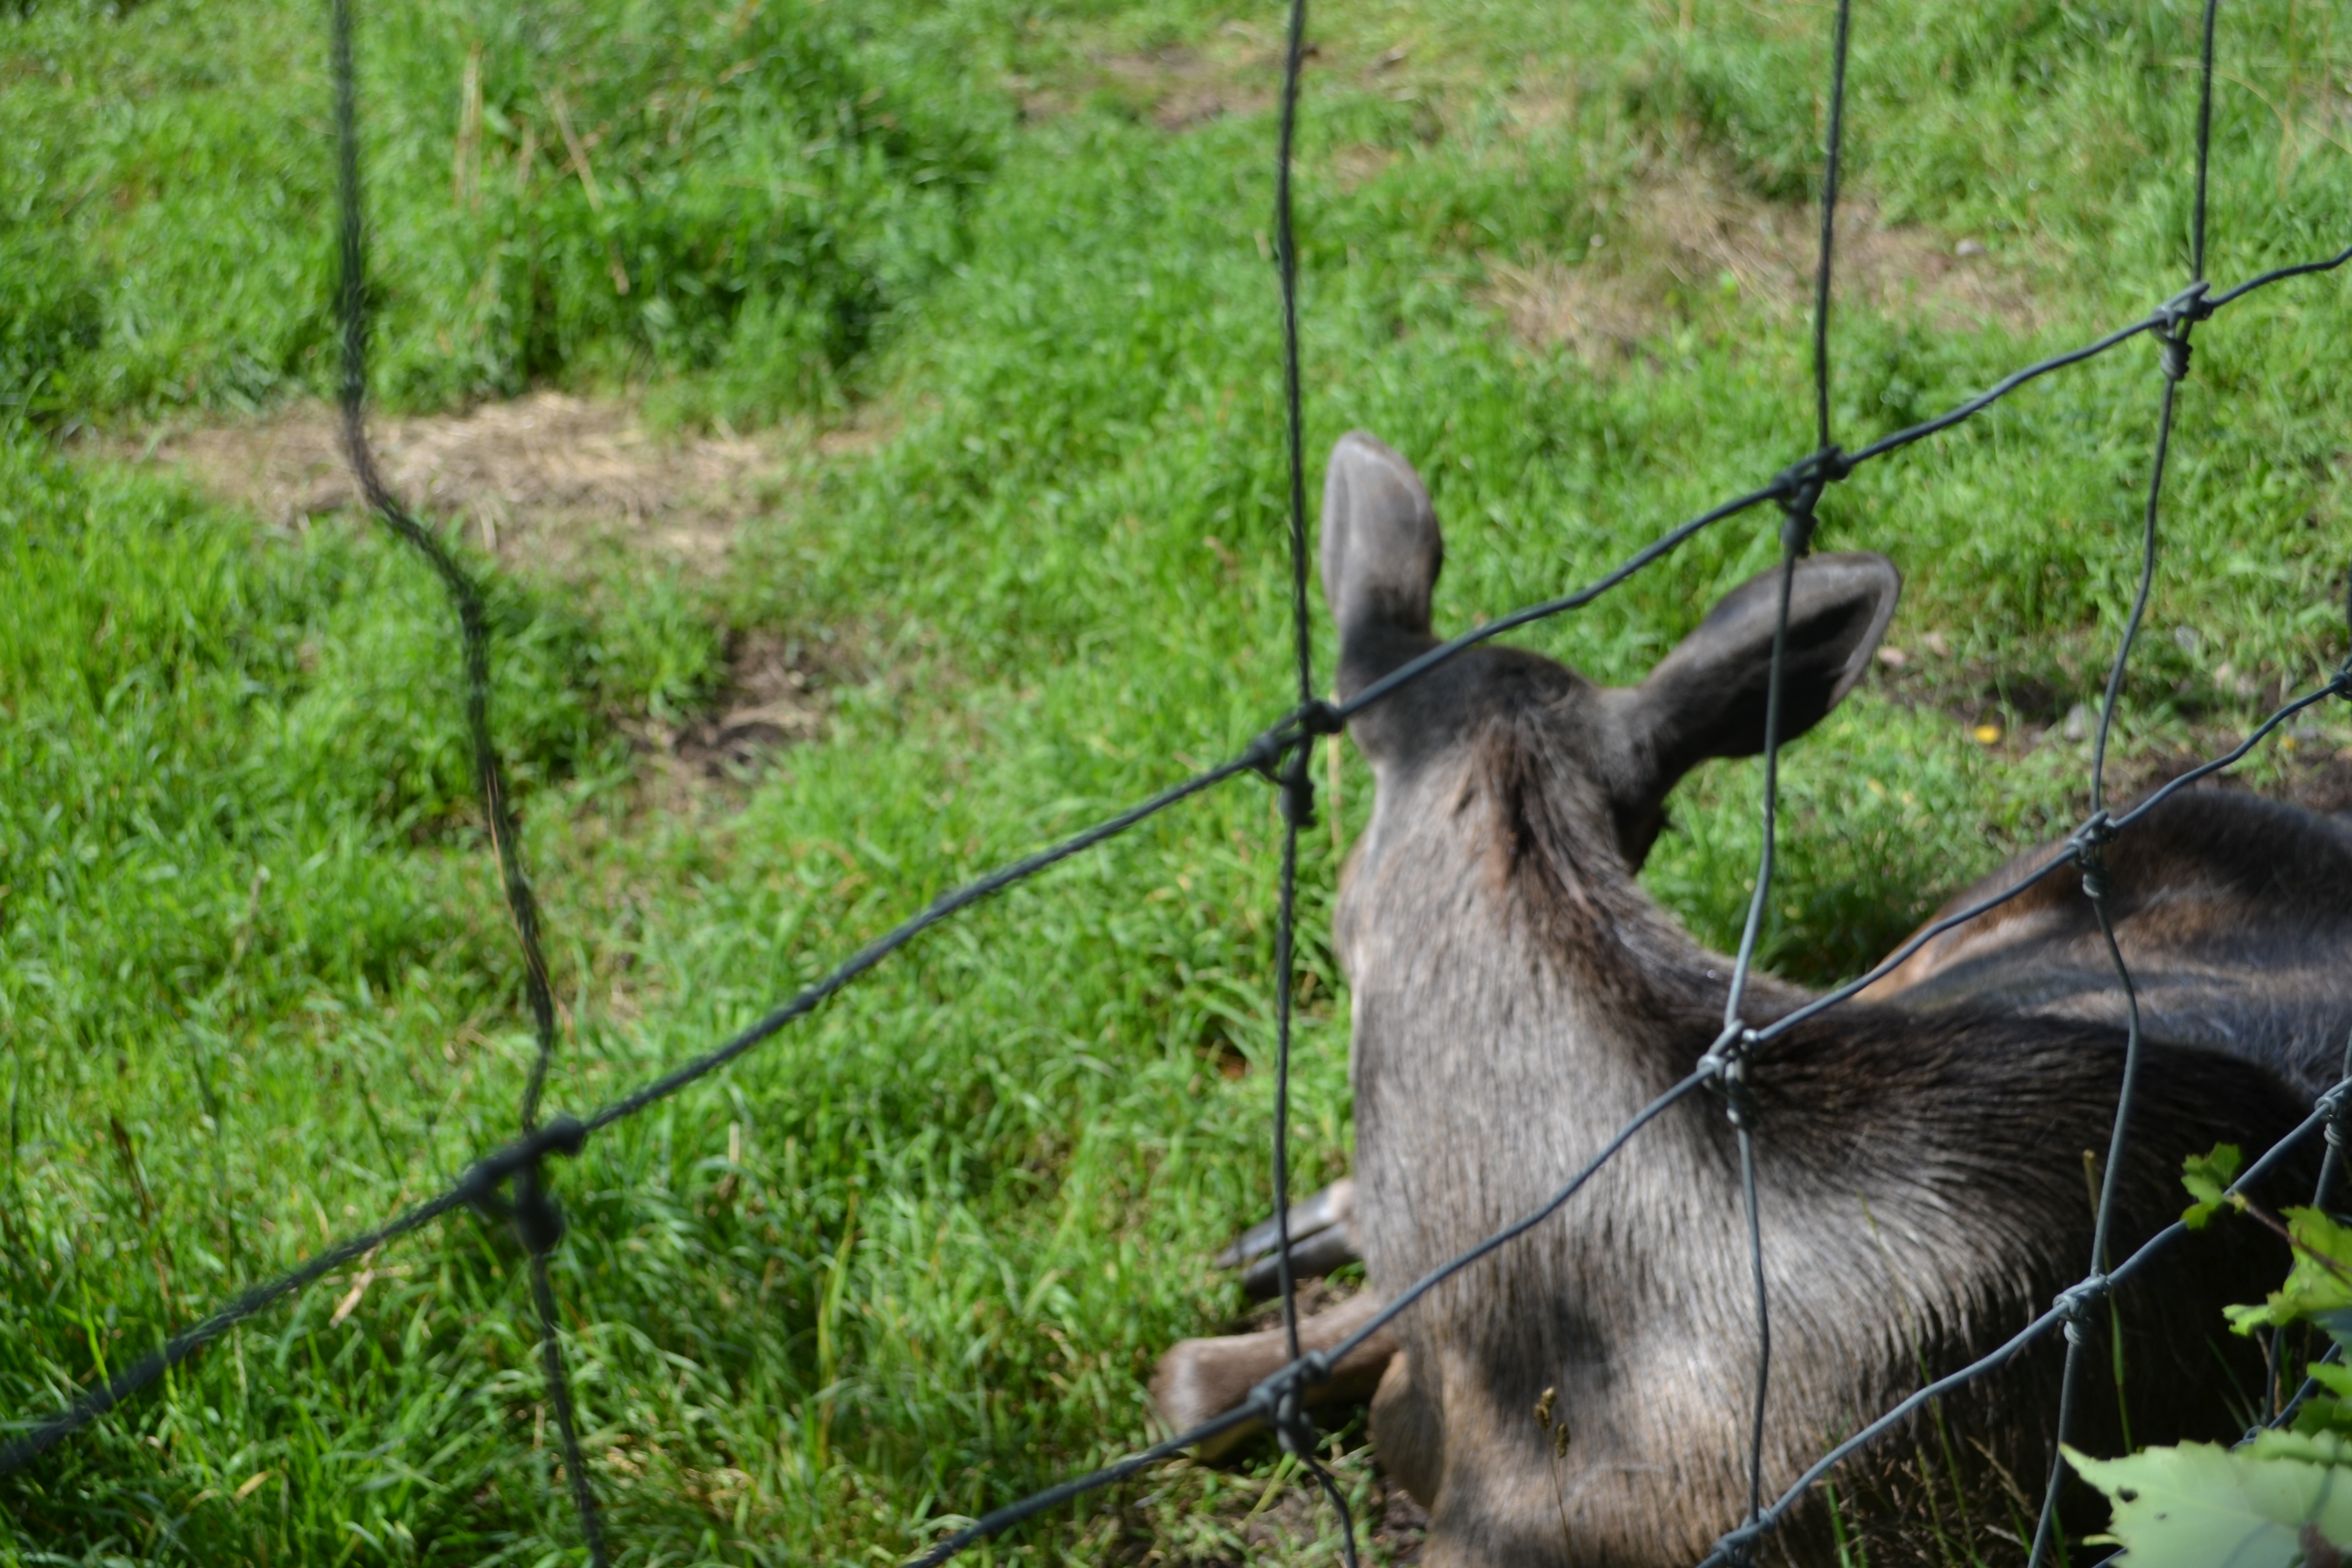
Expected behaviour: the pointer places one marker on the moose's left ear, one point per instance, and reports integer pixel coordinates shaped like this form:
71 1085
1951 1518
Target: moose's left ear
1707 697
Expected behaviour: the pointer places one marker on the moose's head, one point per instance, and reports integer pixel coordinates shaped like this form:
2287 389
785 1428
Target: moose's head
1381 552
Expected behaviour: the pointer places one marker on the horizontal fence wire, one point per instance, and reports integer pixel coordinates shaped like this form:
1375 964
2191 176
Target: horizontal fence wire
1281 755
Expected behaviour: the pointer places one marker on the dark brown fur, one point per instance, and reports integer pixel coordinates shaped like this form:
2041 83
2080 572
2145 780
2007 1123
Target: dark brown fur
2233 913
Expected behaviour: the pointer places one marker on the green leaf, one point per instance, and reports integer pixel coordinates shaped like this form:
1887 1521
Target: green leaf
2319 1286
2327 1411
2324 1412
2207 1179
2203 1506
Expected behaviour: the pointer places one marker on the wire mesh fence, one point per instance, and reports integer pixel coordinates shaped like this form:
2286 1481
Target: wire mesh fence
511 1183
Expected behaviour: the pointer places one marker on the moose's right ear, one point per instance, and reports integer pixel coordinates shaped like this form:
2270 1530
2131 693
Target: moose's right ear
1709 697
1381 549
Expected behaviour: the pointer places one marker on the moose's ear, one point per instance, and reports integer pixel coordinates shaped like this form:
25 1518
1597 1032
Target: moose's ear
1707 697
1380 548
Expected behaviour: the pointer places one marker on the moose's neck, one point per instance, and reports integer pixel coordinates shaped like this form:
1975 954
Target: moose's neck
1511 979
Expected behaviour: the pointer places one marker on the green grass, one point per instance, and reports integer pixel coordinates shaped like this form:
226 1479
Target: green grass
913 1257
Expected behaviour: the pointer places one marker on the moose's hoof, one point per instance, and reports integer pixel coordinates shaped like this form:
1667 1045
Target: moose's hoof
1322 1239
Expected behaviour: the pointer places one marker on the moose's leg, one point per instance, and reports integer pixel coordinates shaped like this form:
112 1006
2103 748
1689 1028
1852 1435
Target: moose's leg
1406 1431
1201 1379
1322 1239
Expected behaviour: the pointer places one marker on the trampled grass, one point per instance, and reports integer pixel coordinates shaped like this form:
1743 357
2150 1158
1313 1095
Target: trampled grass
915 1256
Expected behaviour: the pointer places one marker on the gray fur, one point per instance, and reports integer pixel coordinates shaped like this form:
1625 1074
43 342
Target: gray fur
1517 996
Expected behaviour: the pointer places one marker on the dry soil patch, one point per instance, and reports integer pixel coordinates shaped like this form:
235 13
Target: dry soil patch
540 481
1687 235
580 490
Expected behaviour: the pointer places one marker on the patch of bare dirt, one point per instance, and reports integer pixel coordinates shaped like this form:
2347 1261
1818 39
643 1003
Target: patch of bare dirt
1398 1523
578 491
780 693
1186 88
1296 1518
2014 714
1689 235
541 480
1236 69
1319 1295
775 697
1598 316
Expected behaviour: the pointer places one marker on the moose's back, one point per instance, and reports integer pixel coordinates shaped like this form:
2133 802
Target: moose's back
2233 913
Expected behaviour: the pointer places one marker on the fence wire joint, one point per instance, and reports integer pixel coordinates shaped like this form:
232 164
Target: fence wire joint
1280 1401
1279 756
565 1135
538 1221
2185 309
2089 845
1726 1063
1799 489
2336 1106
1738 1548
2175 317
2075 1302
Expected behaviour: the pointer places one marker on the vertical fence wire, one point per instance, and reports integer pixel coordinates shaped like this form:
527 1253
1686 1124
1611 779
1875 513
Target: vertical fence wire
1732 1051
465 595
533 1212
1297 777
2173 345
567 1428
1835 138
2331 1167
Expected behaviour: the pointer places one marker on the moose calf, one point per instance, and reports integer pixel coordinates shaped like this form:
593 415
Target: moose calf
1517 997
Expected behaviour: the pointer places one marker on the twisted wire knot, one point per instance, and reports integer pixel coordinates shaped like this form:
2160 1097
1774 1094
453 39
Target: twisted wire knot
2075 1302
2336 1106
1297 786
2176 316
1726 1063
1263 755
2089 844
533 1214
1817 470
1738 1549
1319 718
538 1221
1799 487
1279 757
2173 355
1281 1402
